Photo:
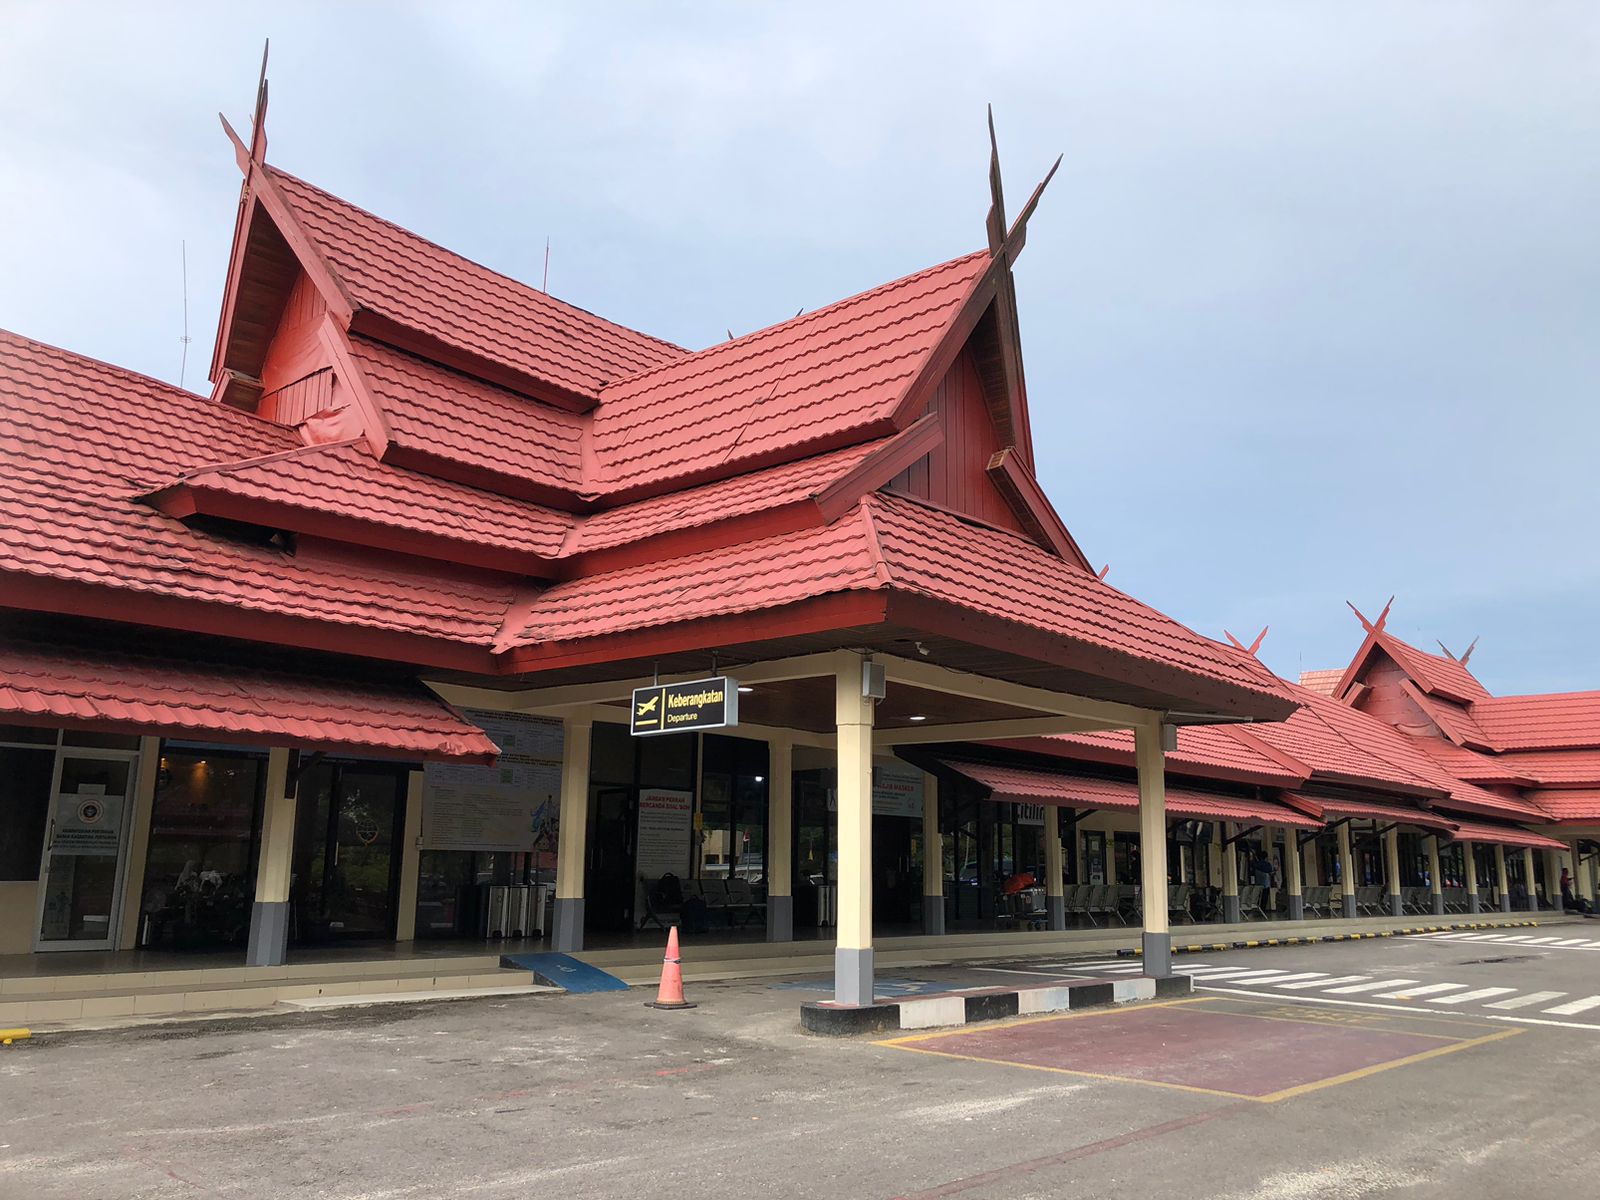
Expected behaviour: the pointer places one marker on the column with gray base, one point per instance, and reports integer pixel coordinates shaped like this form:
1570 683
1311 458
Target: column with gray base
852 955
1530 881
780 842
932 859
1230 875
268 944
1435 883
1292 884
1055 901
1469 853
1347 873
1391 871
1150 744
1501 883
1552 880
572 838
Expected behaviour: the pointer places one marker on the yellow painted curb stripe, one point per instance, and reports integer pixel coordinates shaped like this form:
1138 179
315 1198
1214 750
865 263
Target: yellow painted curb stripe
7 1036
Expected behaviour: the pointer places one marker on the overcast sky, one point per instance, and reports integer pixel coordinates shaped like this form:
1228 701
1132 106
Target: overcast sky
1311 312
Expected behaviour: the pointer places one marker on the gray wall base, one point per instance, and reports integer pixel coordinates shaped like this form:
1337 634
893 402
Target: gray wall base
852 977
1558 903
1474 903
1505 903
1297 908
933 916
780 918
568 936
1055 909
1438 904
1158 955
1397 906
1533 902
269 934
1230 909
1349 903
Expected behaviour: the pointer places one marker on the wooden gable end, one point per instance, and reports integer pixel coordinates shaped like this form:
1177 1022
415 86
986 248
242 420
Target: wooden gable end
954 474
1382 695
297 378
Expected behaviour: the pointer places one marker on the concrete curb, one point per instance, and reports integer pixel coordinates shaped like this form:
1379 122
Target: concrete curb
987 1004
1255 943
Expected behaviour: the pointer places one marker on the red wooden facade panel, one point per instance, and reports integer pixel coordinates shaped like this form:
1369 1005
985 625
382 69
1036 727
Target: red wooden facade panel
296 350
955 473
1385 700
292 404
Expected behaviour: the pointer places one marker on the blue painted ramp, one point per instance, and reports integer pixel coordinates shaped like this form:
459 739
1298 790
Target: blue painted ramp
564 971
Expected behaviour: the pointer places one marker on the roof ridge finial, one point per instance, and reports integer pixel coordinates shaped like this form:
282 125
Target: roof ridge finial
1448 653
258 122
1372 627
996 221
1254 646
1463 659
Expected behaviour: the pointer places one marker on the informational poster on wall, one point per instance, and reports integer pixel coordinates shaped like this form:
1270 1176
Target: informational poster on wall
88 823
1029 814
896 791
513 805
666 828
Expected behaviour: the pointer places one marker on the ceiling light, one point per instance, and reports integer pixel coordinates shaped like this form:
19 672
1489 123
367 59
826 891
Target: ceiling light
917 718
744 690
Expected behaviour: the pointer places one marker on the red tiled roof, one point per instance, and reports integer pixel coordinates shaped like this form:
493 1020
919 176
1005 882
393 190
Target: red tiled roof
97 682
79 437
1334 809
1577 805
1066 790
439 412
423 286
1472 765
1433 672
1559 720
838 371
1322 683
343 480
1335 741
887 543
1504 835
1557 768
1207 751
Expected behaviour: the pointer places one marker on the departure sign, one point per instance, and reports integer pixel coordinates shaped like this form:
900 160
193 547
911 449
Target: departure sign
685 707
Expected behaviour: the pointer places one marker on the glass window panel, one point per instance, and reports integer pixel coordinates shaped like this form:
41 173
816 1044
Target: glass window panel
29 735
24 810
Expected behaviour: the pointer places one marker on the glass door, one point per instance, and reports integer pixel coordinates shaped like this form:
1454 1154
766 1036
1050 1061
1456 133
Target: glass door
346 873
80 892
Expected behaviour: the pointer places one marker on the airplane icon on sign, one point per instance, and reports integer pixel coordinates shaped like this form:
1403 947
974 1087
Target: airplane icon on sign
649 706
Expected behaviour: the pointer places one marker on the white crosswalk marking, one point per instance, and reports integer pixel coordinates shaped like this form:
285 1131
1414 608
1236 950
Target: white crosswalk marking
1517 937
1527 1000
1314 976
1541 941
1478 994
1320 983
1572 942
1426 990
1258 976
1575 1007
1219 972
1368 987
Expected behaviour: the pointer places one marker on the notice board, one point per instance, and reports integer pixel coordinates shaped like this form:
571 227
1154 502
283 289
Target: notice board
513 805
666 827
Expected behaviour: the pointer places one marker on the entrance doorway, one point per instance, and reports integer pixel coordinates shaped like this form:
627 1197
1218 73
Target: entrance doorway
348 825
85 845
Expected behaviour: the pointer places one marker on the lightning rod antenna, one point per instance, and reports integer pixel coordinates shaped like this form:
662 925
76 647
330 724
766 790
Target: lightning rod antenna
545 286
183 361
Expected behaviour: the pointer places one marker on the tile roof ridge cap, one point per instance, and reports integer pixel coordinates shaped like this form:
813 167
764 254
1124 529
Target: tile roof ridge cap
880 561
1525 696
280 173
239 464
799 318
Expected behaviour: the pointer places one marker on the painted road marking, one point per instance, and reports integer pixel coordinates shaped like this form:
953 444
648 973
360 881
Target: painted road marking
1216 972
1369 987
1425 990
1320 983
1478 994
1541 941
1573 942
1525 1001
1574 1008
1257 976
1282 979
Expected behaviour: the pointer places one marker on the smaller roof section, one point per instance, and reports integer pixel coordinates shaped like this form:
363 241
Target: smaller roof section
193 688
1064 789
1556 721
1339 808
1207 751
1572 806
1503 835
1323 683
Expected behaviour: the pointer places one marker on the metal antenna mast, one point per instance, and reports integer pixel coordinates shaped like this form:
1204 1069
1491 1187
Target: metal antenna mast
183 362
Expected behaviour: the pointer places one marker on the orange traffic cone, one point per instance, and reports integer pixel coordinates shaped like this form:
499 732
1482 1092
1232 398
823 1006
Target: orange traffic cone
670 993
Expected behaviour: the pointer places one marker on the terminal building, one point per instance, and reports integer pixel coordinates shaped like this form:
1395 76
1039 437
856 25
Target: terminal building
367 639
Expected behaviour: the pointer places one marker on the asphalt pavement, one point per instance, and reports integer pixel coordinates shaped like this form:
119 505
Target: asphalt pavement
1251 1089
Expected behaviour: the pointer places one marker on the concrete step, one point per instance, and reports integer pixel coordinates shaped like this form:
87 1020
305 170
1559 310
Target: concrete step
466 993
41 981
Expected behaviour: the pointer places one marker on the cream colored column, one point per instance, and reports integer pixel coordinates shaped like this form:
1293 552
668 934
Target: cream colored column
852 955
269 917
1291 875
1150 757
1552 878
572 838
932 859
1055 900
1502 883
144 799
1311 864
1435 884
1391 871
1347 873
780 839
405 920
1469 853
1230 874
1530 879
